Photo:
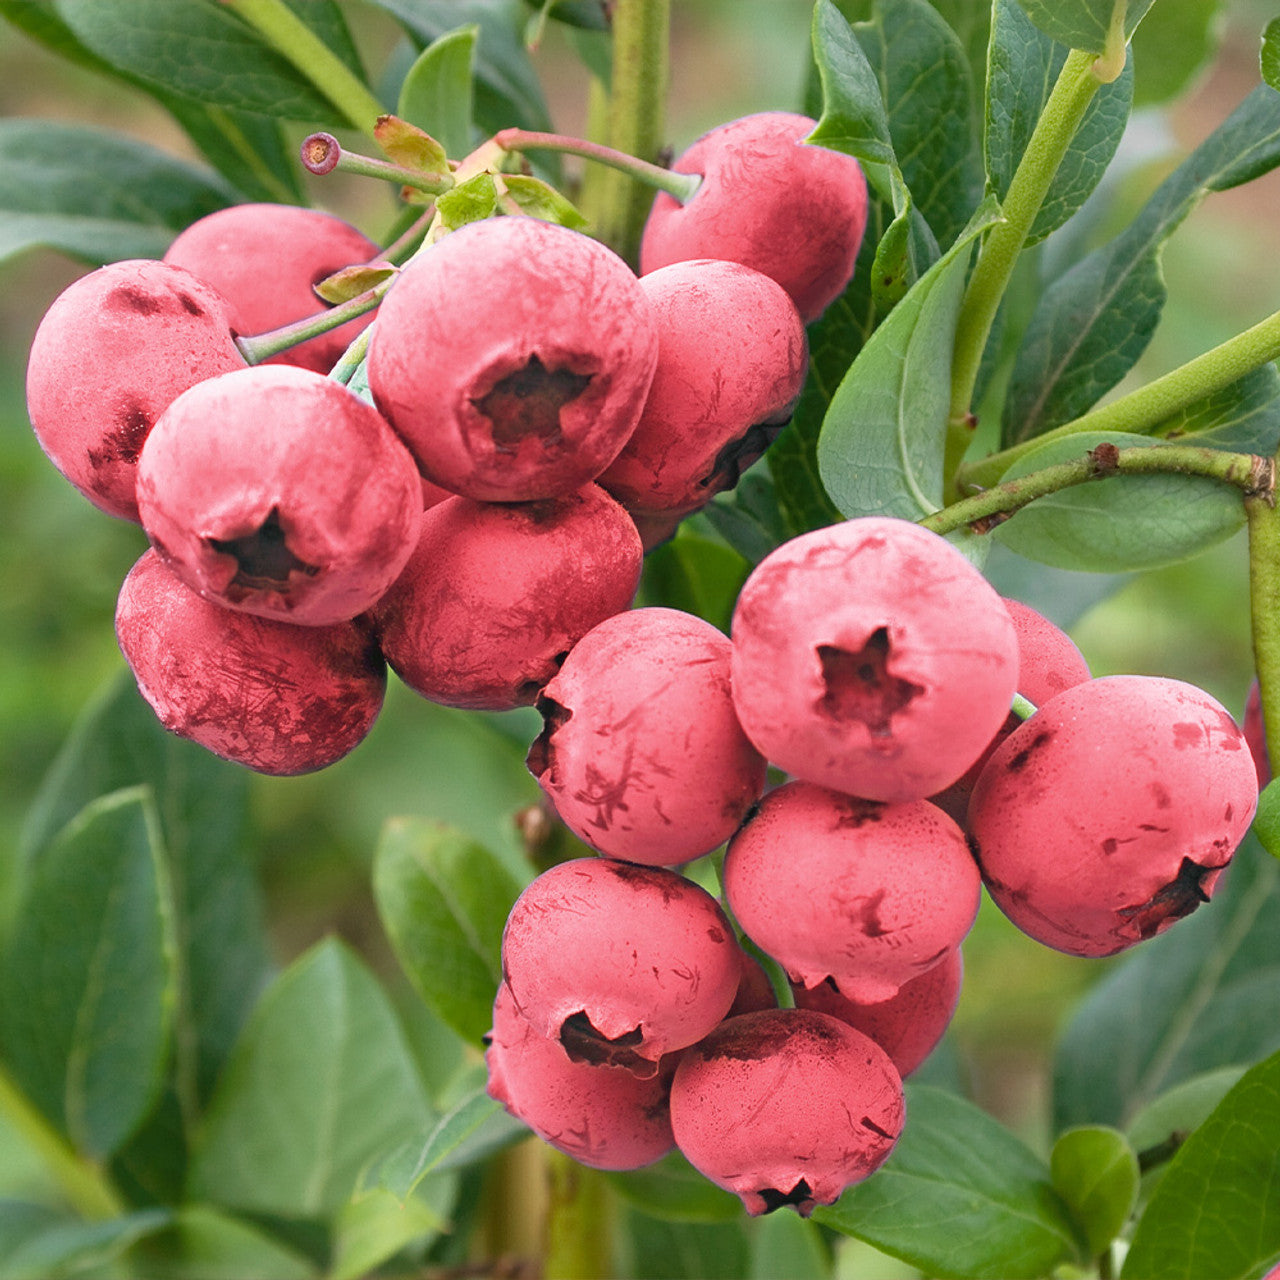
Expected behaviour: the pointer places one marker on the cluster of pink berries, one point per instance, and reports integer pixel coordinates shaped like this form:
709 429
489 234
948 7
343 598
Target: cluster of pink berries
874 665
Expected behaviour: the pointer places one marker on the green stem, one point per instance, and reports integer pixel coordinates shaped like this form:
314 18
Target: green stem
983 511
1022 707
1143 410
258 347
295 41
1071 95
579 1243
351 358
86 1187
1264 600
322 153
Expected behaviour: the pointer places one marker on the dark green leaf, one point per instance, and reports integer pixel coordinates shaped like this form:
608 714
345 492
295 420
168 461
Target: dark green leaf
854 119
1266 822
971 21
444 900
661 1250
696 575
959 1196
320 1083
1176 39
1216 1212
97 196
79 1248
1096 319
436 94
198 51
375 1225
1243 417
586 15
200 1243
1166 1122
1205 994
1023 67
89 980
1271 53
1084 24
202 803
1095 1170
786 1247
750 519
674 1190
881 447
1121 523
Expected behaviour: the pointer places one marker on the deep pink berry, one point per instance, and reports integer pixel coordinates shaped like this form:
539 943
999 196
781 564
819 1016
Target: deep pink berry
276 491
868 894
604 1117
621 963
786 1107
278 698
1112 812
872 657
641 753
513 357
115 349
265 259
496 595
768 200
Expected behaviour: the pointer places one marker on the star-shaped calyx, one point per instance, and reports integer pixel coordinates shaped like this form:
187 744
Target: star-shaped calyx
528 402
263 558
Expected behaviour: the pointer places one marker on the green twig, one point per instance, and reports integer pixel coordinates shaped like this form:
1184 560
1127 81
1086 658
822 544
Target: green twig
295 41
260 346
323 153
1264 600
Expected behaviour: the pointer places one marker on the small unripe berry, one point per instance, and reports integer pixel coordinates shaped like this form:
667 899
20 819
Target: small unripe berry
276 491
496 595
873 658
620 963
641 753
768 200
786 1107
115 349
1112 812
277 698
265 259
870 895
513 358
604 1117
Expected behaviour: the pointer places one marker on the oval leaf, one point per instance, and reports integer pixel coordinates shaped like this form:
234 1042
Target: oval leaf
1085 24
1266 822
1270 58
1095 1170
437 93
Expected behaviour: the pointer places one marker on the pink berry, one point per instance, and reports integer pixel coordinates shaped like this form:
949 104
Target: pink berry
732 358
277 698
513 358
276 491
620 963
870 895
873 658
114 350
786 1107
1112 811
496 595
641 753
768 200
604 1117
907 1026
755 991
265 259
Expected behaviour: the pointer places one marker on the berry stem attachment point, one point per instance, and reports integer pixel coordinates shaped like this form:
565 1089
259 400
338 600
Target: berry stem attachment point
323 153
1022 707
259 347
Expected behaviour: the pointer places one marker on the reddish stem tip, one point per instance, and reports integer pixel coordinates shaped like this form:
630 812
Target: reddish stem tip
320 152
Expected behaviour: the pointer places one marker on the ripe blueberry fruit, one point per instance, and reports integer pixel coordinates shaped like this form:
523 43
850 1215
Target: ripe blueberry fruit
495 595
641 753
870 895
758 175
276 491
278 698
872 657
604 1117
1112 812
112 352
513 358
620 963
786 1107
265 259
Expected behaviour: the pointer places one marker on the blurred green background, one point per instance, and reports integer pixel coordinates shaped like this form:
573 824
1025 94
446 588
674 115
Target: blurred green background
61 561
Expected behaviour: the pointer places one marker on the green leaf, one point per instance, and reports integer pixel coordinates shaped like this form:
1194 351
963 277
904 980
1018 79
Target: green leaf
157 41
1243 417
444 901
672 1189
971 21
655 1249
1176 39
320 1083
1270 58
21 1220
79 1248
1024 64
1085 24
202 804
1201 996
1177 1111
788 1248
881 447
1096 319
375 1225
959 1196
95 195
86 1005
201 1243
470 201
1266 822
436 94
1121 523
540 199
1095 1170
854 119
696 575
1216 1211
749 518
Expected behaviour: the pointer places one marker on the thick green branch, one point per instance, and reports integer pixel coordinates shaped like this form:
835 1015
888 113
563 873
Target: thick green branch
983 511
1264 600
